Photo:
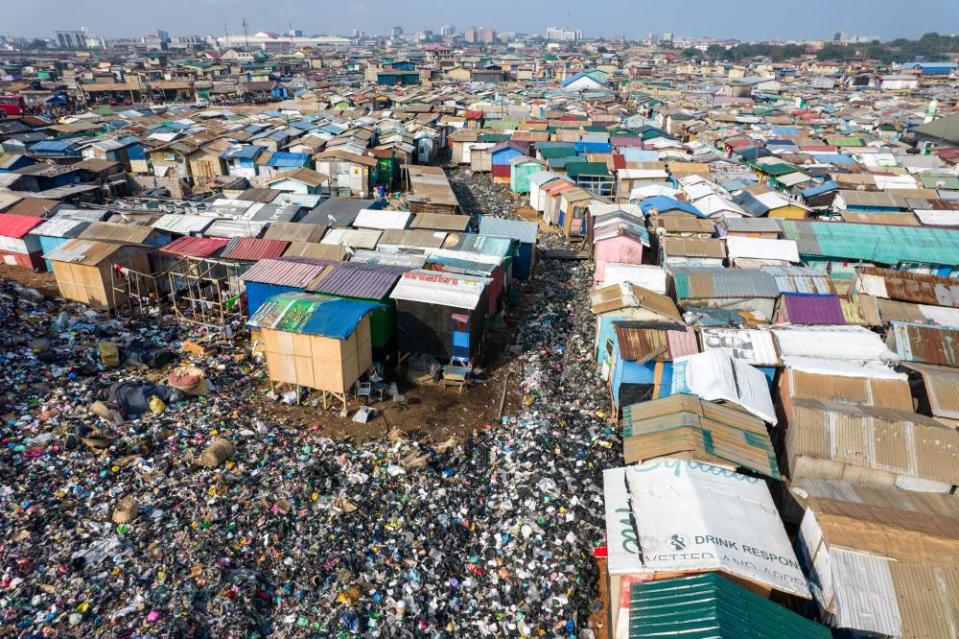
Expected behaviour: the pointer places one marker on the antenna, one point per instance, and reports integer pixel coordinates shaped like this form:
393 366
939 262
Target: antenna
226 37
246 34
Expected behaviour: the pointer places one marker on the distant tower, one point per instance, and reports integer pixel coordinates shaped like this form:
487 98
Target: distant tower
246 34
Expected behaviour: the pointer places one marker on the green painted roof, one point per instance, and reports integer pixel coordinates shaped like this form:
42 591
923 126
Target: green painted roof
945 128
492 137
551 152
709 606
873 242
777 168
845 141
938 181
575 169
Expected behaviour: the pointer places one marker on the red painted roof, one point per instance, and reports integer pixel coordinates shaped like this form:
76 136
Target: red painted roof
195 246
253 249
16 226
619 161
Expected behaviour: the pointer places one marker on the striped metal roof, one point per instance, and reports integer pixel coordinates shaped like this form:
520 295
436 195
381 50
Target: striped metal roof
285 272
364 281
195 246
520 230
811 309
253 249
705 283
874 242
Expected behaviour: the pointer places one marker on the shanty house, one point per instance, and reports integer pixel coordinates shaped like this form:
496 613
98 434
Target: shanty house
440 314
56 231
315 341
18 245
523 232
84 270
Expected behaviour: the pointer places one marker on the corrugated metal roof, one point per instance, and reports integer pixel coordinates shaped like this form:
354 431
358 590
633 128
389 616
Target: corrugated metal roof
108 231
706 283
693 247
804 308
183 224
85 252
440 222
253 249
316 250
874 243
926 344
897 442
337 211
195 246
520 230
942 388
285 272
799 279
235 228
17 226
349 279
709 605
908 287
411 238
60 227
295 232
357 238
659 341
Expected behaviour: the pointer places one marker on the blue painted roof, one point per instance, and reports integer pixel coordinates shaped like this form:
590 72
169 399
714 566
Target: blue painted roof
285 159
246 152
664 203
309 314
53 146
577 77
834 158
819 189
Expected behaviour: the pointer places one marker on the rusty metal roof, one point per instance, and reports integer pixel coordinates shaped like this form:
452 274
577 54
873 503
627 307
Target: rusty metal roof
660 341
925 344
908 287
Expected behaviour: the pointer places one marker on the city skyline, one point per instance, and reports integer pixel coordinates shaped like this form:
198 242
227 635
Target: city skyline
813 20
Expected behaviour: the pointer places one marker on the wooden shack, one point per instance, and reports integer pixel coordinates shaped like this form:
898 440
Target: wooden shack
315 341
85 270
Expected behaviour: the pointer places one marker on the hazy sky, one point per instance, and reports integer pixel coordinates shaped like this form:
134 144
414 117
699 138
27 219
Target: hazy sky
747 19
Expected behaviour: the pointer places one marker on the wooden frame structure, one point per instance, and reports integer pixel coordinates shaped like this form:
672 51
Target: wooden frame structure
205 291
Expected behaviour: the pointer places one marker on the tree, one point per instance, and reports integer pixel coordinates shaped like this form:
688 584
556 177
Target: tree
716 52
690 53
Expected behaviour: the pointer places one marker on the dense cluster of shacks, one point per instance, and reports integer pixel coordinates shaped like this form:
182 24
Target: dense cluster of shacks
775 292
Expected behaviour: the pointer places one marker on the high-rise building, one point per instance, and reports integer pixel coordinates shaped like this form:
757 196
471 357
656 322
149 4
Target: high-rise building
397 32
447 30
667 37
480 35
558 34
72 39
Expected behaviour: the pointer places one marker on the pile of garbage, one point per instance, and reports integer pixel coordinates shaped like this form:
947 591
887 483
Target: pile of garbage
143 492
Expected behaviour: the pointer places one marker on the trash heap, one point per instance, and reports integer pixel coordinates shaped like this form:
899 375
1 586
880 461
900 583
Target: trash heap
156 498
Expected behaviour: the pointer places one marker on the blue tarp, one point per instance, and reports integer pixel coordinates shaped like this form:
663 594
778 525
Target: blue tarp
663 203
309 314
